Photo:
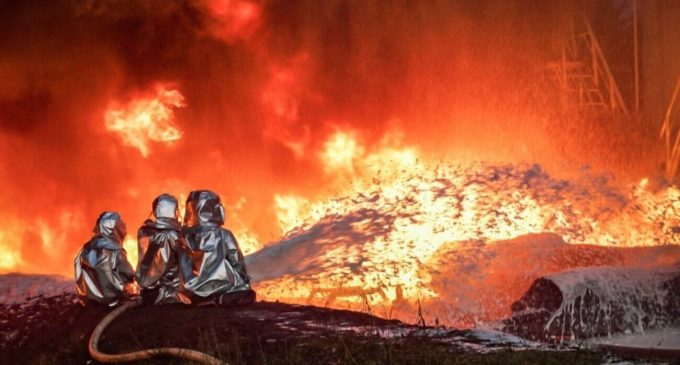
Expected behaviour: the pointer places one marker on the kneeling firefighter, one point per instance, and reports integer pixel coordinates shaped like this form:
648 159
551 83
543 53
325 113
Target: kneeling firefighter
158 242
211 263
102 270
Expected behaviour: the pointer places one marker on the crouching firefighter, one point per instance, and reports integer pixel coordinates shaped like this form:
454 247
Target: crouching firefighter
211 263
103 273
158 242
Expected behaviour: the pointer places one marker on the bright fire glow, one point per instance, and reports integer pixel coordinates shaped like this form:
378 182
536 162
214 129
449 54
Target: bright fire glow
290 211
47 237
130 246
9 255
340 152
148 118
343 153
377 243
247 241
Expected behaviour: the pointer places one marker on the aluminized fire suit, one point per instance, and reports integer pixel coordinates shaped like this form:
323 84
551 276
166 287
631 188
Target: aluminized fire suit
212 265
158 242
101 267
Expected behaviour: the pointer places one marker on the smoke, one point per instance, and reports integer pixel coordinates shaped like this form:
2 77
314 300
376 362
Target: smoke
266 84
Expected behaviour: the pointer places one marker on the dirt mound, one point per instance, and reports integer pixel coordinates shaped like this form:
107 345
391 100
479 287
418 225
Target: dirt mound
17 288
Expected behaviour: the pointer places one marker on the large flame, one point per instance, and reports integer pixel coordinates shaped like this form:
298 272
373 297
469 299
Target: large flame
148 118
382 241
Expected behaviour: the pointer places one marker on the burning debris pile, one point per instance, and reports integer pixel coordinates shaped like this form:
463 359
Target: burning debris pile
382 249
443 245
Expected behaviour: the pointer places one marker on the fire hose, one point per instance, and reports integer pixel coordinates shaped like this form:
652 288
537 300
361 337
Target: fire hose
193 355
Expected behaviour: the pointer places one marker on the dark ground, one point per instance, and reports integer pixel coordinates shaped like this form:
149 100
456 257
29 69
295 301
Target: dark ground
55 330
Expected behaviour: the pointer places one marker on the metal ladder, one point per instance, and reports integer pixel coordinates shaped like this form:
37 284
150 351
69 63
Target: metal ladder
584 76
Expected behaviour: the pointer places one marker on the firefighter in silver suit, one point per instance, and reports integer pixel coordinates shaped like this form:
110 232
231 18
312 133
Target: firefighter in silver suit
211 263
158 242
102 271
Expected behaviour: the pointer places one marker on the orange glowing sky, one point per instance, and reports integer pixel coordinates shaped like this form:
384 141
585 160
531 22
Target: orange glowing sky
275 105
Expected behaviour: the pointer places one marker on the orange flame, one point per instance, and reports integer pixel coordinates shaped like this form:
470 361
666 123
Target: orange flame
146 119
281 98
340 153
10 258
233 19
405 214
130 246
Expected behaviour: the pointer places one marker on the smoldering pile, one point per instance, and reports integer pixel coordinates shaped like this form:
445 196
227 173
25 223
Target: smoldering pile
425 208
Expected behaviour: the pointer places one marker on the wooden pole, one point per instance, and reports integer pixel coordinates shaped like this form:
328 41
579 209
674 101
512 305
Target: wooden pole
671 158
565 85
635 56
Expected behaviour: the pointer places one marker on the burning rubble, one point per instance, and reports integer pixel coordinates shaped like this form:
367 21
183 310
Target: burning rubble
434 238
439 245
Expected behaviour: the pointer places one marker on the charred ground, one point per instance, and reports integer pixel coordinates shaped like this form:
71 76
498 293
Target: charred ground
55 330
